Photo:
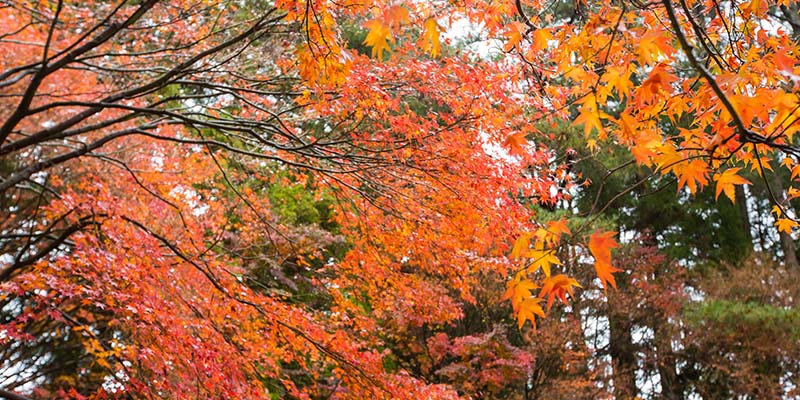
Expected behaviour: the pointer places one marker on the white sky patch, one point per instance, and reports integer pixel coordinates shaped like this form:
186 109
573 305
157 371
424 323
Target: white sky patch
191 198
473 37
157 161
496 150
6 258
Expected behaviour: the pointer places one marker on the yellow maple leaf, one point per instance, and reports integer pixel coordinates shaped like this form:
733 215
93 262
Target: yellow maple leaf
726 181
518 290
590 119
521 245
430 34
378 37
528 310
543 237
542 259
540 38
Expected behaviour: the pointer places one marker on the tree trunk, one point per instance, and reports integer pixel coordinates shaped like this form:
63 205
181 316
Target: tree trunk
786 241
744 214
671 386
620 347
623 358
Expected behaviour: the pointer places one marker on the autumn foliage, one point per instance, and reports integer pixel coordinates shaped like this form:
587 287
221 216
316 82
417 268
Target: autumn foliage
337 199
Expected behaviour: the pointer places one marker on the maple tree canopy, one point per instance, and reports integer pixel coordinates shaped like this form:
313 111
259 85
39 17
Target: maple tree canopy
157 156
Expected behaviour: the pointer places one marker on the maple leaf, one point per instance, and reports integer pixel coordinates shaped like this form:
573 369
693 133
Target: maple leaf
659 80
521 245
783 61
692 174
540 38
600 245
396 16
786 224
759 167
516 143
557 229
726 181
627 123
518 290
648 149
514 33
619 79
378 37
528 310
590 118
652 44
430 34
542 259
557 286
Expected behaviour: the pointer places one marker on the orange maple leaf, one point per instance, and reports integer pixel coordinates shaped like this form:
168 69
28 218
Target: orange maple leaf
396 16
659 80
619 78
551 235
726 181
600 245
557 287
558 227
653 43
514 33
516 143
786 225
692 174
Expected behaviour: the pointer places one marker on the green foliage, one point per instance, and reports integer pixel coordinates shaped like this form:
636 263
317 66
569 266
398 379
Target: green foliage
296 204
354 34
733 317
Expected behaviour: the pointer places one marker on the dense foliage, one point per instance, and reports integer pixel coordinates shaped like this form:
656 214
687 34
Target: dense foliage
335 199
